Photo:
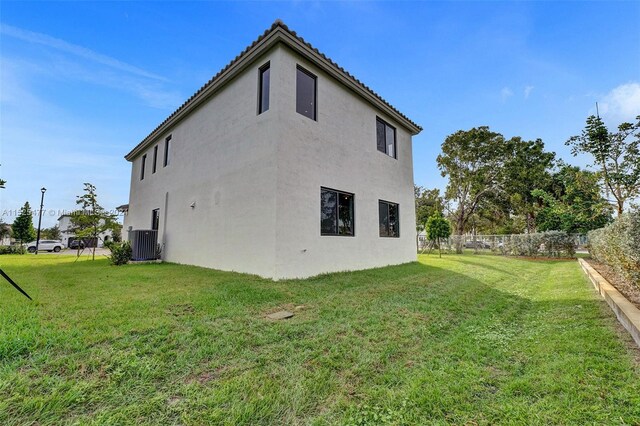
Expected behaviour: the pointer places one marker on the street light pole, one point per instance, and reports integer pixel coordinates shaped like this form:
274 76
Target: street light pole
43 190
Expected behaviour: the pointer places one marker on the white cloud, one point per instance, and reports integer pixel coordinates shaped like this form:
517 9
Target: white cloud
505 93
527 91
76 50
621 104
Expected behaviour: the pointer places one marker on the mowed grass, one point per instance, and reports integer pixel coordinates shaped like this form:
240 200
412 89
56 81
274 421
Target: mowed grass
468 339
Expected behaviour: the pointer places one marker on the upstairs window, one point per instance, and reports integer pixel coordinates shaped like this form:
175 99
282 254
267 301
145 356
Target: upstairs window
155 159
306 92
165 163
144 164
336 213
389 220
386 138
263 93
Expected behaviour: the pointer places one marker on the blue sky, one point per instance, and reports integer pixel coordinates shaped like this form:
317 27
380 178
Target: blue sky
81 83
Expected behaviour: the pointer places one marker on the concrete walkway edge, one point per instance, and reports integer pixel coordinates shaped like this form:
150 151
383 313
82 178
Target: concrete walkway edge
626 312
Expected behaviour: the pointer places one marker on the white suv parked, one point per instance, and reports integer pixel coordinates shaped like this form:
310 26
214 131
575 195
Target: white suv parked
45 245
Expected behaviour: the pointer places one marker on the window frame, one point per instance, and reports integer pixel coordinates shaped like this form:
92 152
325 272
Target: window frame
155 159
143 166
165 160
315 92
388 204
353 213
386 144
261 71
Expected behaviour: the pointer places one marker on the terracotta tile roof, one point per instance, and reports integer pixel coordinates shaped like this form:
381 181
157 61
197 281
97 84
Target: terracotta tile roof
277 24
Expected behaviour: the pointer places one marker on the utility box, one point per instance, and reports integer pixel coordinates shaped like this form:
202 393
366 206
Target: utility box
144 244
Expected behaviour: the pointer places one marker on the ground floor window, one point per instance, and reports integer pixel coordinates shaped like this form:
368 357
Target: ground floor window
336 212
389 221
155 219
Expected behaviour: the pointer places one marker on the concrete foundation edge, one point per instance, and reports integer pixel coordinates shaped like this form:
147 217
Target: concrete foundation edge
628 315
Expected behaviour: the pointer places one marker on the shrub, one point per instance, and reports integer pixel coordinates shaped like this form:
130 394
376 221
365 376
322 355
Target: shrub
618 245
120 253
15 249
550 243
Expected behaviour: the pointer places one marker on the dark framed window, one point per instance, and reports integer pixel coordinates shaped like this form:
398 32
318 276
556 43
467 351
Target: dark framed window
389 219
263 93
155 159
155 219
143 166
337 212
167 141
306 93
386 137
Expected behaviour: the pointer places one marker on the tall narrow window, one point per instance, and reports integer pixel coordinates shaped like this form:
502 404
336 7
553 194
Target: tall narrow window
386 138
155 159
165 163
336 213
155 219
263 96
142 166
389 219
306 93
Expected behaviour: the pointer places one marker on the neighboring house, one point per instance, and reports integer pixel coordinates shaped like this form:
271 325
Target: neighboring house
66 230
282 165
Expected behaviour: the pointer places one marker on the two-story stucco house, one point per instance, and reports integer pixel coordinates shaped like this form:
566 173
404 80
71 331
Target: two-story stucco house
282 165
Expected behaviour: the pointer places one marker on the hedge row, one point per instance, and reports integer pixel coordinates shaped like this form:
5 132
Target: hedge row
618 245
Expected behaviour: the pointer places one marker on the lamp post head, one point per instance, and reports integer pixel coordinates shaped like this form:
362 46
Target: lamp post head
43 189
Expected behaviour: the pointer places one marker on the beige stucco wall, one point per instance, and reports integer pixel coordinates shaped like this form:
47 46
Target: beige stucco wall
256 180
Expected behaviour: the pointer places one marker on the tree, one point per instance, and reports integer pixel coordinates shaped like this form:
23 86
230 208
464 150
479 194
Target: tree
473 160
52 233
428 202
92 220
572 203
616 154
23 225
438 228
527 167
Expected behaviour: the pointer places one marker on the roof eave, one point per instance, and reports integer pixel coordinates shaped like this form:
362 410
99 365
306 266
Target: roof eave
245 59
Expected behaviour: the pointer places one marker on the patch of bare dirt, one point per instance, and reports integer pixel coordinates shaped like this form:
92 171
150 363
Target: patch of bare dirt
630 291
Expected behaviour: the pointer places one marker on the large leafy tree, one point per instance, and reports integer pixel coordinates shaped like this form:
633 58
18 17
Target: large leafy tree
473 161
572 203
92 219
428 203
527 167
616 154
22 226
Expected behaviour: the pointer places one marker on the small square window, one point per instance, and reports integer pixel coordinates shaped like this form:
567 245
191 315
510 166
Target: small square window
386 138
389 219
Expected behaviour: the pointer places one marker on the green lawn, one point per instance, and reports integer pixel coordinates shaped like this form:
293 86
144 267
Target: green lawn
473 339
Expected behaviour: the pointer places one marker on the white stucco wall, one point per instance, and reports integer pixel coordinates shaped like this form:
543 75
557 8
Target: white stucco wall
337 151
255 180
222 158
